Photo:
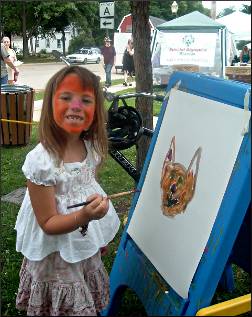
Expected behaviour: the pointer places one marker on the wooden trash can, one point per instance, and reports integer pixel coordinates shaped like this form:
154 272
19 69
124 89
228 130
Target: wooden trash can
16 104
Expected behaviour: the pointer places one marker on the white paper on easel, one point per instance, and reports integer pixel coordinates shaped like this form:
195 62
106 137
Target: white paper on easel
175 245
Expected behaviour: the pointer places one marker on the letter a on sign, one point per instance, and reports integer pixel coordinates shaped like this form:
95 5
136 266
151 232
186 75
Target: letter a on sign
106 12
106 9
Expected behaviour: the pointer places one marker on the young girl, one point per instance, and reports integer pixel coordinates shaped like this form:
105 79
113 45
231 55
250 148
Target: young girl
62 273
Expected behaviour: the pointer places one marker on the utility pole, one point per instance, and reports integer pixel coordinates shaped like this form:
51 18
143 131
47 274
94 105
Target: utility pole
213 10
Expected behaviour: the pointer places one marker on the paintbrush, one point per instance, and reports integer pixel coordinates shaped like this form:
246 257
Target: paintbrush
84 203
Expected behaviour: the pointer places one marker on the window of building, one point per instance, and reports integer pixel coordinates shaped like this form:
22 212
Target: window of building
129 28
58 43
37 42
47 43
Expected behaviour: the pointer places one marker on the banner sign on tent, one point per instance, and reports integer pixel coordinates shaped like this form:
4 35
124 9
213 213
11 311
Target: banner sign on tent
188 48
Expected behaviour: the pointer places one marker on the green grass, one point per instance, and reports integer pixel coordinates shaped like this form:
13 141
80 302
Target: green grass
39 95
113 179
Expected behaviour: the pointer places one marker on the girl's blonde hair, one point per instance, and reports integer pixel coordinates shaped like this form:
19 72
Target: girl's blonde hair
52 136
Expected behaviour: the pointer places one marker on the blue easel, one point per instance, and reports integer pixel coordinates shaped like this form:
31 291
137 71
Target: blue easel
132 269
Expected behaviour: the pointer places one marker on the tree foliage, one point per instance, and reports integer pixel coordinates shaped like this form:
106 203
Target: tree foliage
229 10
162 9
80 41
246 9
226 11
57 16
33 18
13 25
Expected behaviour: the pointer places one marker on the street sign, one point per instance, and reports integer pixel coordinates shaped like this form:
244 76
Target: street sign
107 9
106 23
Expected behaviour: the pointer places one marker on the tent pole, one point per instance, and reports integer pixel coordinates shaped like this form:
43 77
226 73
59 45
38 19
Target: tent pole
223 53
153 40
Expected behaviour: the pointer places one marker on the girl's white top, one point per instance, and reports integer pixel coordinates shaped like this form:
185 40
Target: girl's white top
73 182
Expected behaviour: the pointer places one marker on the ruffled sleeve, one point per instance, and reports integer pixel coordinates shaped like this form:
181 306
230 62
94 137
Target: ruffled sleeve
39 167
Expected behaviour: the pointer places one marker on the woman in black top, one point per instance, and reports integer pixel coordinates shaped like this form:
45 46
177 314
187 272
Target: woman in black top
128 63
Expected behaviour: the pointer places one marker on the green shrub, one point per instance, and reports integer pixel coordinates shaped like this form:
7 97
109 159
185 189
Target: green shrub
43 51
82 40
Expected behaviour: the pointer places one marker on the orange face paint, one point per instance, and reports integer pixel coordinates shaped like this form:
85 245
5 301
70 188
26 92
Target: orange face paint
73 105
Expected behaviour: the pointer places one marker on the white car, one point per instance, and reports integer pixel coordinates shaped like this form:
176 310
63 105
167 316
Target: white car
84 56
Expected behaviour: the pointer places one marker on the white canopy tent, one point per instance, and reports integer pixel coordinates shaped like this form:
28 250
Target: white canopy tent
193 41
239 24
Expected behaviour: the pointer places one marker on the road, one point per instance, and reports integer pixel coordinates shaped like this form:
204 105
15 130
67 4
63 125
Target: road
37 75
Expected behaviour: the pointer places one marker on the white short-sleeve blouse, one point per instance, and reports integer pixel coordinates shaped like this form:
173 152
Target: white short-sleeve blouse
73 182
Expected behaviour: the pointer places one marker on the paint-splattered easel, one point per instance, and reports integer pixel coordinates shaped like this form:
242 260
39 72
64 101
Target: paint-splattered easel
132 269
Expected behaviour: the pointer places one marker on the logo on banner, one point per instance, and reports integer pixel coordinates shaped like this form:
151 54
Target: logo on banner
188 40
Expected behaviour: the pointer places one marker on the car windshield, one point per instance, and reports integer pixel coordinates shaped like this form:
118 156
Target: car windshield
83 51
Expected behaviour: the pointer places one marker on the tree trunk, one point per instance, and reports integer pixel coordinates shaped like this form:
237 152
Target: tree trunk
25 39
31 46
35 46
143 71
63 42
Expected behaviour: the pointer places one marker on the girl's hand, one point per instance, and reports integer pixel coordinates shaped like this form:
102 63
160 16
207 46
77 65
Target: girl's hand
104 250
97 208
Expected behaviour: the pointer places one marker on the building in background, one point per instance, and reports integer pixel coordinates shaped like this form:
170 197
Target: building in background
47 44
125 25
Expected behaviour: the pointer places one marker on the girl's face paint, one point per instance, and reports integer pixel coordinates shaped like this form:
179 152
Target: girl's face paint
73 105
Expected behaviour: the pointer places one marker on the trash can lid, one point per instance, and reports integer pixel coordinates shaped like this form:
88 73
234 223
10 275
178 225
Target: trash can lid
15 88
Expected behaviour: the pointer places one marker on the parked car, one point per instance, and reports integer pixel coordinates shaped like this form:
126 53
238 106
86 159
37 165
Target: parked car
84 56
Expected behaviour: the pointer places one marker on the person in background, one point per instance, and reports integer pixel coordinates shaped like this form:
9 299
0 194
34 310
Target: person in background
245 56
6 60
62 272
128 63
235 60
13 57
108 52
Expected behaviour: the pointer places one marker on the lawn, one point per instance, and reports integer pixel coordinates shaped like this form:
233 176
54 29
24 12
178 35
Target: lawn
113 179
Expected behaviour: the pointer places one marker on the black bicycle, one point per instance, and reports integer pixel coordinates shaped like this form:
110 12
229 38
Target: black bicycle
125 127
